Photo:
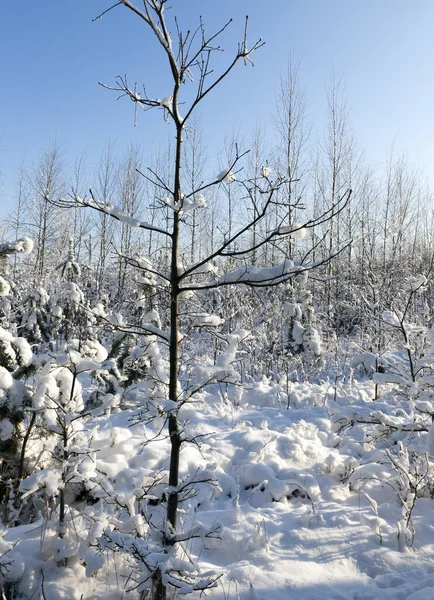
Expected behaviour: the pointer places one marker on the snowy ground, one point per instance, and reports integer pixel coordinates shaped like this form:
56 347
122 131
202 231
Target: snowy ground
295 523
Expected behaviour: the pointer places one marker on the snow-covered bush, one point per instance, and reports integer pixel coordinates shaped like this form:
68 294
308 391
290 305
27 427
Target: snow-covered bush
59 404
397 425
35 321
15 359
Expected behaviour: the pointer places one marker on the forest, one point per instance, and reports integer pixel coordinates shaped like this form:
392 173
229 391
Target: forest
217 377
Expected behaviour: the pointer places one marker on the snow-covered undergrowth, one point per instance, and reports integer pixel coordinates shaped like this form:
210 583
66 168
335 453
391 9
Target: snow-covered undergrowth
296 509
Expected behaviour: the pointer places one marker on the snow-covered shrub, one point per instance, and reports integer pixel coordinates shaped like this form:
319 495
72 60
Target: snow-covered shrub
12 567
34 318
15 358
9 294
141 361
70 269
301 334
15 401
14 351
58 402
396 427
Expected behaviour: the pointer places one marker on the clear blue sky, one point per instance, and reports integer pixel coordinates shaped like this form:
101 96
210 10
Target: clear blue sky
52 57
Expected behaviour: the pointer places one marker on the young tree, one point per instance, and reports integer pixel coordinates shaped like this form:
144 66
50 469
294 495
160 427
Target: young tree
189 57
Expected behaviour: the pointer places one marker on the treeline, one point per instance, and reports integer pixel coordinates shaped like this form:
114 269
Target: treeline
382 235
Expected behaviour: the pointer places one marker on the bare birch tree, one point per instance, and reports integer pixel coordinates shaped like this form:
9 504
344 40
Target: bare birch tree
46 180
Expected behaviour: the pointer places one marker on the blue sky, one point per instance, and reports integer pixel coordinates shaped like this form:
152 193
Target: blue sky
52 57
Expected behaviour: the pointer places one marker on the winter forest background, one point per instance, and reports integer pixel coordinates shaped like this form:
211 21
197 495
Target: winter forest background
216 367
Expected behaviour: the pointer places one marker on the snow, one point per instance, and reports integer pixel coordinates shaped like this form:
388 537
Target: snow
391 318
298 332
6 380
50 480
58 392
24 350
191 204
115 211
167 102
5 336
288 487
366 360
23 246
5 288
16 349
260 276
57 311
201 269
295 230
415 283
206 320
186 204
6 429
430 441
290 521
73 292
291 309
93 350
226 176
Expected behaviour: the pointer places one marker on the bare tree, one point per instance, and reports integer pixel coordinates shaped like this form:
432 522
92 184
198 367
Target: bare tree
17 218
194 167
189 61
333 177
81 226
105 190
130 193
46 180
256 163
292 138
